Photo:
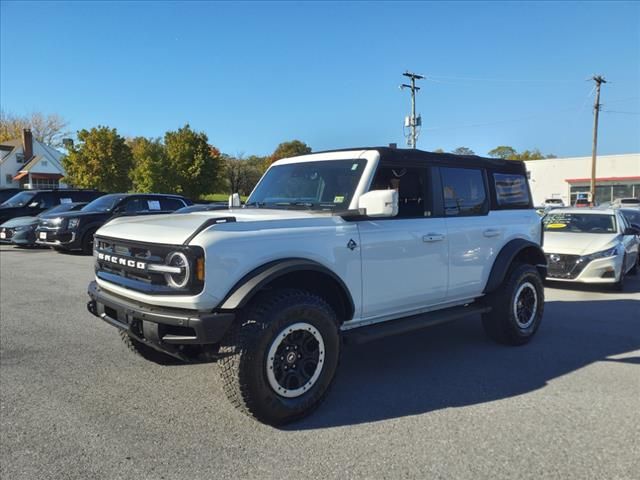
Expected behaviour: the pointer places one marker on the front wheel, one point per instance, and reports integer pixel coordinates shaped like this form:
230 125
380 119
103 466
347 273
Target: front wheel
87 242
517 307
279 359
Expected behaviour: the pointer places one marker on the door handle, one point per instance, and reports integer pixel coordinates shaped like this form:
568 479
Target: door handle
432 237
491 232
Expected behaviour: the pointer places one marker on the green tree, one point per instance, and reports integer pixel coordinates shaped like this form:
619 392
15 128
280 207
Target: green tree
194 166
503 151
100 159
463 151
150 172
288 149
438 150
242 174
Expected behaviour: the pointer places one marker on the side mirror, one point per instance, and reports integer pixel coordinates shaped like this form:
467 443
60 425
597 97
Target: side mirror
632 230
234 200
379 203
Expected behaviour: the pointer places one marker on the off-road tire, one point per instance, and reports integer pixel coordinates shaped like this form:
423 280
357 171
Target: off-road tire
501 324
244 353
145 351
87 241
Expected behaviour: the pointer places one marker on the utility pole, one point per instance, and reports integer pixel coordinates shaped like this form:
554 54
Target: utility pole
412 121
596 110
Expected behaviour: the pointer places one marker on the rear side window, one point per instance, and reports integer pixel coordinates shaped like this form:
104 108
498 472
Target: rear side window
464 191
511 190
171 204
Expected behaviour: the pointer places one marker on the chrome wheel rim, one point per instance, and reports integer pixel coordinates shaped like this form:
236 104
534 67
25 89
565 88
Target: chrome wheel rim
525 305
295 360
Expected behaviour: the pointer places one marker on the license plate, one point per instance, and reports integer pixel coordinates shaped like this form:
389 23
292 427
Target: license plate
43 235
3 235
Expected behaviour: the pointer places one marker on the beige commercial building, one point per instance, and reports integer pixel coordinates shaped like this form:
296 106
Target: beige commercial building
616 176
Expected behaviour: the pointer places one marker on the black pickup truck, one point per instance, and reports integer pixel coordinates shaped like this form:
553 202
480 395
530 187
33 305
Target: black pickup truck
74 230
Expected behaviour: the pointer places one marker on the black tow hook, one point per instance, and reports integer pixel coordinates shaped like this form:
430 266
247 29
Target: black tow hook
91 306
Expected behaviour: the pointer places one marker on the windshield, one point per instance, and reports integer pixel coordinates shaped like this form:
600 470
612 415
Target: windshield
579 223
629 201
20 200
103 204
632 216
322 185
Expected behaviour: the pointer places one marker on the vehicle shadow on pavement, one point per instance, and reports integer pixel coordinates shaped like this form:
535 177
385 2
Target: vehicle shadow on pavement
455 365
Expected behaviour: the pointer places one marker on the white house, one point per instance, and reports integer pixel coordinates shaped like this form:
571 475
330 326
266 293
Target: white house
28 163
616 176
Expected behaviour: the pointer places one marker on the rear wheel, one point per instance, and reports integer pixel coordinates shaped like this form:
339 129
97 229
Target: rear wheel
279 360
517 307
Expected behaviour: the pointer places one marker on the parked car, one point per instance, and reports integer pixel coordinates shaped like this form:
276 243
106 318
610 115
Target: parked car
629 202
75 230
21 231
355 244
203 207
582 203
590 246
29 203
632 216
7 193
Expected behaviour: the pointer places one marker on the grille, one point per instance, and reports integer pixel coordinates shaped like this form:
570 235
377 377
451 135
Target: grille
564 266
127 264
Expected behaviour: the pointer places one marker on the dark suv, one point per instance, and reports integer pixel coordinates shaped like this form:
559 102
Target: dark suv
29 203
74 230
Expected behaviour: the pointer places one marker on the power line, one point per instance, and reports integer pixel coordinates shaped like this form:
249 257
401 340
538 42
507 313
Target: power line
499 80
618 111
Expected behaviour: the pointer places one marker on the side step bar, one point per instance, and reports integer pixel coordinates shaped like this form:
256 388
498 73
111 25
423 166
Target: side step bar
408 324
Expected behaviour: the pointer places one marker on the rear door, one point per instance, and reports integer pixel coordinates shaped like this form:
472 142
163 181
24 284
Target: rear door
404 259
473 239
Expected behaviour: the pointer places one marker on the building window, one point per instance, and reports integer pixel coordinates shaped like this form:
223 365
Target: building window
44 183
20 157
44 163
8 179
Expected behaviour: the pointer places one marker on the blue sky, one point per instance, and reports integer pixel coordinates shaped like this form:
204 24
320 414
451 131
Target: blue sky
254 74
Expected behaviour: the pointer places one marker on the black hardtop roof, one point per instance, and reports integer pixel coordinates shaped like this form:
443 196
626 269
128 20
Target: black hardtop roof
389 154
141 194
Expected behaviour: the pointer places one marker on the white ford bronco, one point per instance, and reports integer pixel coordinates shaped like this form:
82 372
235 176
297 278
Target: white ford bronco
330 248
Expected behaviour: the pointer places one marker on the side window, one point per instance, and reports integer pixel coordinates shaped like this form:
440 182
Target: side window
511 190
409 182
46 200
464 191
171 204
136 205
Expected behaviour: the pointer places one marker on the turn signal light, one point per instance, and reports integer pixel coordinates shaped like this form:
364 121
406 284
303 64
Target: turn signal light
200 269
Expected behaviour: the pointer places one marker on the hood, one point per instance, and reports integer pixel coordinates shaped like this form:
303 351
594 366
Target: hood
20 221
176 228
74 214
578 243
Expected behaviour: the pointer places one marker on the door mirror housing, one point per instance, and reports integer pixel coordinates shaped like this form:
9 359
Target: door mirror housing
632 230
379 203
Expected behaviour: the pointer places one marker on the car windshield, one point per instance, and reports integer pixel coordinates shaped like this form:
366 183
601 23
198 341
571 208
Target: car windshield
19 200
63 207
629 201
319 185
579 223
103 204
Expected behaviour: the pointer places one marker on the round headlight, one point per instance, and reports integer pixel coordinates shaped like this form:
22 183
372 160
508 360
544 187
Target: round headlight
178 260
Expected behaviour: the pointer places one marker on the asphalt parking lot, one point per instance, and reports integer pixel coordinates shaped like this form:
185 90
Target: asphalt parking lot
442 403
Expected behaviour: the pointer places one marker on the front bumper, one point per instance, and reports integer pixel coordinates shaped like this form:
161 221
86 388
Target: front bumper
162 328
57 238
602 270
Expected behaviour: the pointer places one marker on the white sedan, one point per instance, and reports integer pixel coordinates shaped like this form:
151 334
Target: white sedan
590 246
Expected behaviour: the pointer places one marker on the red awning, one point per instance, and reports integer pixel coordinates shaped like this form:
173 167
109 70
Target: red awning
603 179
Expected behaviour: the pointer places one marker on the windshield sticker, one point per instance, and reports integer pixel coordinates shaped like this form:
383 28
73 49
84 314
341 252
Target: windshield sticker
338 199
354 167
65 200
557 225
153 204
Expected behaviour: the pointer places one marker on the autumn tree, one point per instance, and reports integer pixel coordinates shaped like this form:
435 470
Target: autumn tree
463 151
288 149
194 167
48 129
150 172
242 174
100 159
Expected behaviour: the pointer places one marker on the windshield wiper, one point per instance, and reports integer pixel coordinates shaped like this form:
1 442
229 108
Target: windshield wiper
255 204
294 204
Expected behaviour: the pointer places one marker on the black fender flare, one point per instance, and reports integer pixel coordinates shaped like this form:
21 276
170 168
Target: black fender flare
249 285
508 254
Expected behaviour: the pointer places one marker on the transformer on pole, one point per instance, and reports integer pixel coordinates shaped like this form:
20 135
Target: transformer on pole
412 121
